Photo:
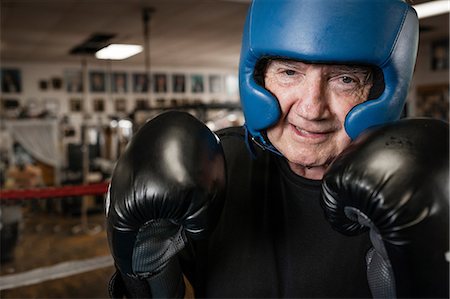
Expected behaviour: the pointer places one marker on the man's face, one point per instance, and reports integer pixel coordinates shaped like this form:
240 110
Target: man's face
314 101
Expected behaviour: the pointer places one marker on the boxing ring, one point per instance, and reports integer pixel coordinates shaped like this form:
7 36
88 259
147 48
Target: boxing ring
62 269
65 191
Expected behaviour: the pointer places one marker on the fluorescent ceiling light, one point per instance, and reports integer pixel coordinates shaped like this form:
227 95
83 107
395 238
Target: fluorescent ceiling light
432 8
118 51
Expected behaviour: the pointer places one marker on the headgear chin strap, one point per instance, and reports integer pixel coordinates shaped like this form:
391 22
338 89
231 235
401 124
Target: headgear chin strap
380 33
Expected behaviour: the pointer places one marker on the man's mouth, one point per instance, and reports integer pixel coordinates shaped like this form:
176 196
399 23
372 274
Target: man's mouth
317 135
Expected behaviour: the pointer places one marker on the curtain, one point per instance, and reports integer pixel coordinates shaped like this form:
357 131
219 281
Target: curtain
39 138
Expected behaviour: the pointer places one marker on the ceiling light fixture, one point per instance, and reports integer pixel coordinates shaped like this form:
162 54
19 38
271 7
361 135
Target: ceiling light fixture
432 8
118 51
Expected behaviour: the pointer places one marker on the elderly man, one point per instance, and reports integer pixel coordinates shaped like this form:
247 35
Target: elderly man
240 213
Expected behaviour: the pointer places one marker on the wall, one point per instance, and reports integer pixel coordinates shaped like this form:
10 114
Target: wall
34 96
427 78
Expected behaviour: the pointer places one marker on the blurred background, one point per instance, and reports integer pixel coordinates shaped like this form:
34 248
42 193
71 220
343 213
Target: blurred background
69 109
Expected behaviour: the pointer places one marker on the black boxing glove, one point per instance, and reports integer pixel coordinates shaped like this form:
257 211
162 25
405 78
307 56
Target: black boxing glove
394 181
167 186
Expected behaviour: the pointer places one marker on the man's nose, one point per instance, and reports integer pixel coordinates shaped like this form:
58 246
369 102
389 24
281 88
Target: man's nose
312 101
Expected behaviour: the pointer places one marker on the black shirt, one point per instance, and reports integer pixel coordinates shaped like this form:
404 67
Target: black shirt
272 239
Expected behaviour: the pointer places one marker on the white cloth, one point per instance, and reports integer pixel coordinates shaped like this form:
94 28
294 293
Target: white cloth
39 138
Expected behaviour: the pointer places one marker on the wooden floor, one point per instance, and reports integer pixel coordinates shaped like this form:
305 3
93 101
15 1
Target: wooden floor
47 239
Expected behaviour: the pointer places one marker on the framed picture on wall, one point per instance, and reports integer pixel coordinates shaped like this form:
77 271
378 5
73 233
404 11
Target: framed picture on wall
119 82
120 105
195 102
76 105
52 106
141 104
98 105
160 102
439 55
69 131
231 85
179 83
10 107
140 82
33 106
197 84
43 85
73 80
9 104
11 80
160 83
185 102
56 83
97 81
215 84
432 101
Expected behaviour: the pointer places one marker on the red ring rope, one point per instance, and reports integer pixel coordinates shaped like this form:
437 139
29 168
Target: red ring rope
65 191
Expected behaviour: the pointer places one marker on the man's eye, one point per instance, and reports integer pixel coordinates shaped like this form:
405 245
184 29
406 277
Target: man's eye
289 72
347 80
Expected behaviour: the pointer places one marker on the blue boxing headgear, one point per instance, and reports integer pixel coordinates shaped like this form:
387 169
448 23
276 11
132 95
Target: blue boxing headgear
379 33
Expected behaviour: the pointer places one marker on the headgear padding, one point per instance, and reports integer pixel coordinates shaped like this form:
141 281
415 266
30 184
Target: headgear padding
380 33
